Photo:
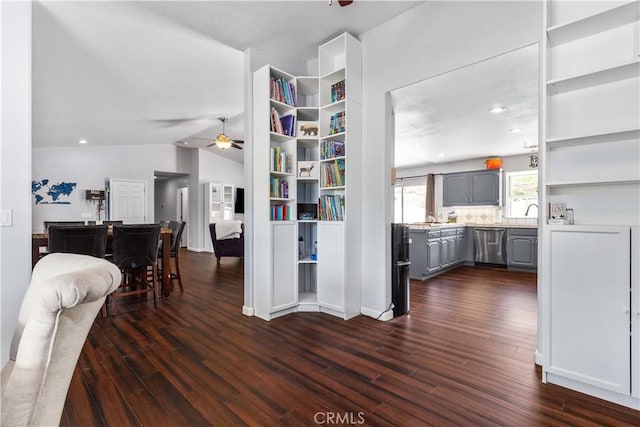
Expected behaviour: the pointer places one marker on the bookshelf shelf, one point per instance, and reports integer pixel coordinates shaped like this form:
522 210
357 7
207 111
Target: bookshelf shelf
587 183
278 173
337 187
307 261
596 23
310 180
281 199
334 136
334 107
329 159
593 138
279 137
597 77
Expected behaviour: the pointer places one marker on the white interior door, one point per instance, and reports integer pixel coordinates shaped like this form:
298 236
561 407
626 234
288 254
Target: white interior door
128 201
183 213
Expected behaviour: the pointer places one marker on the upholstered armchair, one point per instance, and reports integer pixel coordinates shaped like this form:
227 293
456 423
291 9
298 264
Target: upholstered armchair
227 247
60 305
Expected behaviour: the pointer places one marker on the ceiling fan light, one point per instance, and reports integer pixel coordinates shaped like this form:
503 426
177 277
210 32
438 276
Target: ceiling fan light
223 141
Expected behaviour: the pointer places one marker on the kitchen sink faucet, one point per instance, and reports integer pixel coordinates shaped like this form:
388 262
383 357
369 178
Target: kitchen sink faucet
526 213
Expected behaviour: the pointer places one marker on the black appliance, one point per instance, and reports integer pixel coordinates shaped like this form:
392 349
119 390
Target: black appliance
400 268
239 207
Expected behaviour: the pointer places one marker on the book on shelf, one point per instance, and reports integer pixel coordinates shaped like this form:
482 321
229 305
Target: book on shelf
279 188
330 149
288 123
307 169
333 173
307 128
338 91
280 161
283 91
331 208
337 123
276 125
280 213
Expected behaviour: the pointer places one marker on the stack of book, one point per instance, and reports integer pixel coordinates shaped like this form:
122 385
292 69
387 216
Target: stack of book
331 149
337 91
280 213
283 91
333 173
331 208
280 162
284 125
337 123
279 188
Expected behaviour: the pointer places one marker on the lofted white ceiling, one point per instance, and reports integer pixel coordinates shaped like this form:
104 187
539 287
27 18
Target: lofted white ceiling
118 73
446 118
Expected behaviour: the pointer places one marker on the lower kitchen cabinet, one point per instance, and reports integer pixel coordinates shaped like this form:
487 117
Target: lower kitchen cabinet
433 251
522 247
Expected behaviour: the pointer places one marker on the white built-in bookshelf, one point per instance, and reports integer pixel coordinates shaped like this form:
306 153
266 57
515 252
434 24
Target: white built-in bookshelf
313 209
590 161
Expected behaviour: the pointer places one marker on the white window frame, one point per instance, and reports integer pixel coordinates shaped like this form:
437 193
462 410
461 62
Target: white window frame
407 182
508 198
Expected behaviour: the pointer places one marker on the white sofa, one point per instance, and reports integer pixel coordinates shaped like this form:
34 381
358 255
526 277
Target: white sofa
62 302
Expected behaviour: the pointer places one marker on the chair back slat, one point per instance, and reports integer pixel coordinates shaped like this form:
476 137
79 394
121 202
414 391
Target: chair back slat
135 245
76 239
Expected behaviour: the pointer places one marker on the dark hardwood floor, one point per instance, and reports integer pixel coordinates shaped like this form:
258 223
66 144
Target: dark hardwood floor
463 357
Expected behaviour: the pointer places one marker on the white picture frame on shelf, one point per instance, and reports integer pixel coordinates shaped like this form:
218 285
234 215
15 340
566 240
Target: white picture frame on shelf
307 169
308 129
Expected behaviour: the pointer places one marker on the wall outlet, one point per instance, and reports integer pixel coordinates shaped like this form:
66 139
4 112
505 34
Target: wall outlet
6 217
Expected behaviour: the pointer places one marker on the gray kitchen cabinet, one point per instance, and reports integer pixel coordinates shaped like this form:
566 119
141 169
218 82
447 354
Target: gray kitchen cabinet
418 253
522 247
461 243
434 260
475 188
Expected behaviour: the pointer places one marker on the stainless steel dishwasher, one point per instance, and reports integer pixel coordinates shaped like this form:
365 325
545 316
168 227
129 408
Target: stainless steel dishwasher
490 245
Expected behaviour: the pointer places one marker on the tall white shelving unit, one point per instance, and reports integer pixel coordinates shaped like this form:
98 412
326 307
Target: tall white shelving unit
219 202
287 278
591 162
339 242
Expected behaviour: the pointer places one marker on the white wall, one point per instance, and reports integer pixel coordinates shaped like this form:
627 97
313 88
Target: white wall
166 197
15 162
428 40
89 166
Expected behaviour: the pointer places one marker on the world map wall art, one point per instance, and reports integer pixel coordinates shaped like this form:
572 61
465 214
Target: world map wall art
46 193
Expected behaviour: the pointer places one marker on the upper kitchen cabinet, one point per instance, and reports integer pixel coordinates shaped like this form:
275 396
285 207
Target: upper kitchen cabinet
475 188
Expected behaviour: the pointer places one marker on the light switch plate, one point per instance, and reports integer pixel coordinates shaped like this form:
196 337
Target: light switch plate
6 217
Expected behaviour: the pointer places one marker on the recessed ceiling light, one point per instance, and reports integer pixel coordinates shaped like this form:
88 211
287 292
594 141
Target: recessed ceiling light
498 110
82 141
441 155
184 142
155 177
514 130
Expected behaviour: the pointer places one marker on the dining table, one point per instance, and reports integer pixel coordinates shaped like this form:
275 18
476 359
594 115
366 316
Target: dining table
40 240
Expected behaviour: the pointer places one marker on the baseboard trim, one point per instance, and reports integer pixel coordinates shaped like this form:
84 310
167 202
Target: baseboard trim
248 311
377 314
537 358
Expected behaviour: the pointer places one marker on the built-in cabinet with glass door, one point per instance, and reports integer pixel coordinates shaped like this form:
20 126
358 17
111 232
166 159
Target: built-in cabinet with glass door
219 202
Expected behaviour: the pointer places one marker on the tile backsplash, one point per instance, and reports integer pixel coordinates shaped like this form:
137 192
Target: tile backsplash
481 215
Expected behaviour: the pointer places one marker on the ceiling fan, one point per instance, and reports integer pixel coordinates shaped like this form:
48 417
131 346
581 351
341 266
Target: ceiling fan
222 141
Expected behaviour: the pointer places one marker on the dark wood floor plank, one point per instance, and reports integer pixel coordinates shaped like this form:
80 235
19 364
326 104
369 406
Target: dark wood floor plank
462 357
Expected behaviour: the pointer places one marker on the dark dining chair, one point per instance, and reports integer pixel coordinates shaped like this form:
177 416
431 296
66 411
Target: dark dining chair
135 249
48 224
177 228
75 239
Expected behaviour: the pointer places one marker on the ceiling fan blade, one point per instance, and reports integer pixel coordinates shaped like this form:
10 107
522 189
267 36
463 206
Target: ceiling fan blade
234 145
345 2
211 145
205 139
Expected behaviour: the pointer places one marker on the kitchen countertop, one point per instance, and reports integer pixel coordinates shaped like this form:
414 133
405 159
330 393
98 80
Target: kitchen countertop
426 226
